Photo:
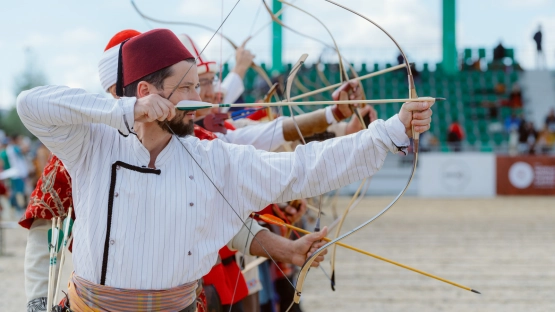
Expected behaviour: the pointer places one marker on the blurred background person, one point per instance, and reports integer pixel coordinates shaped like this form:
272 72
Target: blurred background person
540 56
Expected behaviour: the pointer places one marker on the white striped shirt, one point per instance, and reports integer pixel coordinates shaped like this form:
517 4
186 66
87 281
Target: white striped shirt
167 225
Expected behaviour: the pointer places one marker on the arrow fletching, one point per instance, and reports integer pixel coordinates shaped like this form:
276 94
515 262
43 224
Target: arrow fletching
192 105
268 218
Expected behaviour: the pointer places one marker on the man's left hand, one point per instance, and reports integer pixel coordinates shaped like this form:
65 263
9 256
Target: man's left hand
417 114
293 213
351 90
305 246
354 124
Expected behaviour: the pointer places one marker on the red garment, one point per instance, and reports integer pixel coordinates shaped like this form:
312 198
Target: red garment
228 125
258 114
204 134
52 195
225 276
3 189
201 302
456 129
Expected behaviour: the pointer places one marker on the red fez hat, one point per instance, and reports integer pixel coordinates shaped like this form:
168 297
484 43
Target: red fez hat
149 52
120 37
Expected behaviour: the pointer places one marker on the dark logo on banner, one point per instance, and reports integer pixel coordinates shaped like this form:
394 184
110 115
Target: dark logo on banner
455 175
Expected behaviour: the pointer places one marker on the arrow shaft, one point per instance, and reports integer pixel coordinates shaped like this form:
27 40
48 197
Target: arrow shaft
194 105
382 258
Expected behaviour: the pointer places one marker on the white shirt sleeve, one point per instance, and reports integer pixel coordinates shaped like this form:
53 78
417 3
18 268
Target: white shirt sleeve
250 179
242 241
267 136
233 87
37 259
62 118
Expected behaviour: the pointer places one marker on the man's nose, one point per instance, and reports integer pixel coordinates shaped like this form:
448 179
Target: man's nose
195 97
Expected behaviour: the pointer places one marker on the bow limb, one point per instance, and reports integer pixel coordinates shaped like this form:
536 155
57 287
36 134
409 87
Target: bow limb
289 84
412 94
342 71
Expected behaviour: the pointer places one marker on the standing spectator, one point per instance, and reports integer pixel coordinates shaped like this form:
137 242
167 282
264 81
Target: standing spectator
550 121
40 160
14 160
546 141
512 123
499 52
540 56
455 136
527 137
515 98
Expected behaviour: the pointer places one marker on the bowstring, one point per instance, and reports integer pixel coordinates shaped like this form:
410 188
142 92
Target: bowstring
255 19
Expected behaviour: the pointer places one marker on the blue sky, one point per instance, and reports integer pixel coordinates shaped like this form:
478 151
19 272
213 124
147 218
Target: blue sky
67 37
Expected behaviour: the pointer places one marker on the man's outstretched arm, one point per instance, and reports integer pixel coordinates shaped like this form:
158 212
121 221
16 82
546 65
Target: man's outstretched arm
62 117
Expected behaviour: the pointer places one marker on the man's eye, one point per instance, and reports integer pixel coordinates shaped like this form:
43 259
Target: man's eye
197 88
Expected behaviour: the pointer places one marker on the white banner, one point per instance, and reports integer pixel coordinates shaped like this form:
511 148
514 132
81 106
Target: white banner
457 175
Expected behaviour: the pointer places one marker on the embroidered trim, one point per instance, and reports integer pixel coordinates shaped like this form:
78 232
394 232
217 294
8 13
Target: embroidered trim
111 208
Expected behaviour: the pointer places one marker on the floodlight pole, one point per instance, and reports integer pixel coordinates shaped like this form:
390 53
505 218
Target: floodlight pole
449 62
277 40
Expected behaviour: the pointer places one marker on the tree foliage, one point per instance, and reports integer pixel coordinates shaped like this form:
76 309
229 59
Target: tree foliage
29 78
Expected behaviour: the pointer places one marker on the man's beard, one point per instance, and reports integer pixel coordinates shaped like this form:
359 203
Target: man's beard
178 126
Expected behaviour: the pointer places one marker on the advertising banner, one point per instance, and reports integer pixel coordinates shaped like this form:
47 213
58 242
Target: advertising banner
525 175
456 175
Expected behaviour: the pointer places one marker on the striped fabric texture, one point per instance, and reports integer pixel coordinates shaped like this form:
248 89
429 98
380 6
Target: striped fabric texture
102 298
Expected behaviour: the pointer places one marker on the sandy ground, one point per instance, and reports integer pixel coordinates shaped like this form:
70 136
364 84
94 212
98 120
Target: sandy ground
503 247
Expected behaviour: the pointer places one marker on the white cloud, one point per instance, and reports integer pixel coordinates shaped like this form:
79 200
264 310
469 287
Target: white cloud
76 70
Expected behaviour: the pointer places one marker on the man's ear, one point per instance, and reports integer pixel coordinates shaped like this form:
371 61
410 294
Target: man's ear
143 89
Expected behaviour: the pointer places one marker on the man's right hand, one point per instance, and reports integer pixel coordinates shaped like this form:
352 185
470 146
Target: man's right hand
153 107
243 60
